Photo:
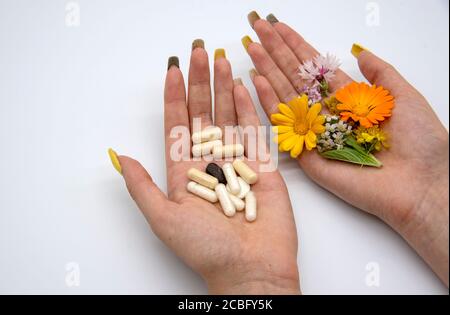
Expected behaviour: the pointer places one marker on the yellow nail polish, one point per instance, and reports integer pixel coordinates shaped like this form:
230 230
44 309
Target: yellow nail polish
198 43
357 49
219 53
253 73
246 41
237 81
272 19
253 17
115 160
173 61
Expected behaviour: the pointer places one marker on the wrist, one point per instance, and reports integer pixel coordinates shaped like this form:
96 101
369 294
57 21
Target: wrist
426 227
255 281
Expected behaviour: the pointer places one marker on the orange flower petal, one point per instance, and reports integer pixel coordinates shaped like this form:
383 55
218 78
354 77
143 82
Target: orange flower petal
365 122
345 116
367 104
344 107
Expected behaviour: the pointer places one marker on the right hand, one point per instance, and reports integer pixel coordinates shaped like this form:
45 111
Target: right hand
231 254
410 192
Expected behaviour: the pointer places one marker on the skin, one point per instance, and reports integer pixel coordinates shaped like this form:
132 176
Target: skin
231 254
410 191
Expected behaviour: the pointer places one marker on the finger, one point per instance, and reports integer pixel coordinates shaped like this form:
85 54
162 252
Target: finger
246 113
379 72
176 119
304 51
224 111
157 209
275 46
267 67
199 95
266 94
248 121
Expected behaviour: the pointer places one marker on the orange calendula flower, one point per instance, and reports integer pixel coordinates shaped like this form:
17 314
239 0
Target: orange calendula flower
365 104
297 125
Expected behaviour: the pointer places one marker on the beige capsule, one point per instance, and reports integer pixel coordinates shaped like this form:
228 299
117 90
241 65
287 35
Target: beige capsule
202 178
205 148
202 192
208 134
228 151
245 172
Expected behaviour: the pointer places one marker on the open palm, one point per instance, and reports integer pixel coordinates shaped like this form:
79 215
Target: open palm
231 254
415 168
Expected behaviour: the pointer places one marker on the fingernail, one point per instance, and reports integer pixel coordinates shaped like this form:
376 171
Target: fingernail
253 73
253 17
357 49
115 160
219 53
237 81
198 43
272 19
173 61
246 40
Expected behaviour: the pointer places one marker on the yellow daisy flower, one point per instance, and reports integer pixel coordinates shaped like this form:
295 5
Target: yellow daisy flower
297 125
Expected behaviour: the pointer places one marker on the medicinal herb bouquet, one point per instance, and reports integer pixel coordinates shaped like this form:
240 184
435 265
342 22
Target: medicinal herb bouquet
351 131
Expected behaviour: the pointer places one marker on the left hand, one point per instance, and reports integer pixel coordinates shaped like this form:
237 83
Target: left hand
410 191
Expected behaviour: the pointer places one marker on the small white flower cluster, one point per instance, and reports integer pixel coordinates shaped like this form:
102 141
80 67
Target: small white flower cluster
336 132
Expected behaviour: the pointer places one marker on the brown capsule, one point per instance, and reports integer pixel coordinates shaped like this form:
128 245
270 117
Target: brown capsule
214 170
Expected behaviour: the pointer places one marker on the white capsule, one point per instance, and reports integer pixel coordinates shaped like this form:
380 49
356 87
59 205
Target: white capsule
208 134
250 207
228 151
239 204
245 188
245 172
202 192
225 201
232 181
205 148
202 178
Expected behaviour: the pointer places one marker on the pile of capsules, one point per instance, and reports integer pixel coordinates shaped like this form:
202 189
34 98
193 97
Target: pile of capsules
222 183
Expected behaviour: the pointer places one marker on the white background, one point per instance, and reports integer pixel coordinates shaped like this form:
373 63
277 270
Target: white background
69 93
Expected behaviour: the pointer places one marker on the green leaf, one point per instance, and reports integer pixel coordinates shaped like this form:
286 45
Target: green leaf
324 87
351 141
352 155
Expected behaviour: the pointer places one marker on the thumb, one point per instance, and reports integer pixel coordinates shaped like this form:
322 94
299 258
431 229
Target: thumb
379 72
149 198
